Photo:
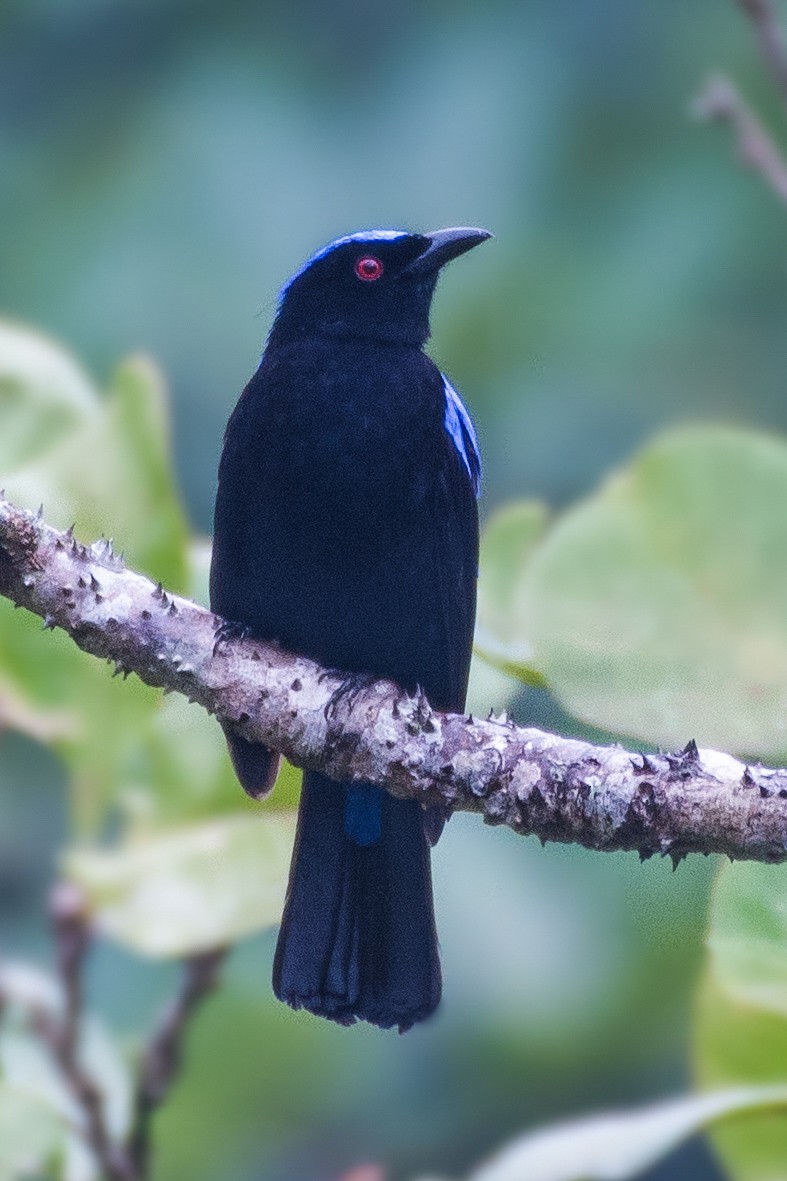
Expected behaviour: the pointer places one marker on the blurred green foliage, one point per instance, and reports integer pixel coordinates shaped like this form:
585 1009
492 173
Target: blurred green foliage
742 1009
669 567
39 1119
658 606
165 166
621 1145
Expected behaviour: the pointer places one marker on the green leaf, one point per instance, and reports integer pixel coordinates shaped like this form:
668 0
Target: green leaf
113 477
107 469
658 608
741 1034
747 938
31 1136
199 887
179 770
69 699
44 395
617 1146
503 627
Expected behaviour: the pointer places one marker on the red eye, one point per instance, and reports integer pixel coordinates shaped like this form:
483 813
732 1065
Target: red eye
368 268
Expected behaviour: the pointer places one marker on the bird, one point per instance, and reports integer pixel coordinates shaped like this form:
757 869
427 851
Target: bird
346 530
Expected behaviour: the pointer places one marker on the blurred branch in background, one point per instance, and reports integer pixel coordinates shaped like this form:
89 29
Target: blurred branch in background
720 101
61 1028
602 797
61 1032
772 44
161 1060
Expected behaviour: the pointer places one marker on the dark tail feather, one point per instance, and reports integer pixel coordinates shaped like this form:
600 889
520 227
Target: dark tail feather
357 939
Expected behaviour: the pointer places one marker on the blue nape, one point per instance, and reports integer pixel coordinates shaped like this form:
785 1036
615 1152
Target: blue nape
363 814
361 236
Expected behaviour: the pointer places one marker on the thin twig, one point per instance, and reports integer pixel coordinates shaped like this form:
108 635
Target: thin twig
71 930
59 1029
770 37
720 101
161 1060
61 1034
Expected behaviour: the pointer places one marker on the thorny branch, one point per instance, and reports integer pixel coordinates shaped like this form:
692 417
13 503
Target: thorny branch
559 789
720 101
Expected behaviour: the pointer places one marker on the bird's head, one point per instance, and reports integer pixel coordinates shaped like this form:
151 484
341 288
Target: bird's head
376 284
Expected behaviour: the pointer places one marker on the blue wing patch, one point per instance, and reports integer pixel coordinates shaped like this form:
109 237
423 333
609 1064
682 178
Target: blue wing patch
460 427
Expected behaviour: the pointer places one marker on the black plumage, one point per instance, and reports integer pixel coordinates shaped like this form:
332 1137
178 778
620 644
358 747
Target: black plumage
346 528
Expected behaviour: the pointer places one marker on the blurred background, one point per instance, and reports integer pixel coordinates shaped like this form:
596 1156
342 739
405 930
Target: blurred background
163 167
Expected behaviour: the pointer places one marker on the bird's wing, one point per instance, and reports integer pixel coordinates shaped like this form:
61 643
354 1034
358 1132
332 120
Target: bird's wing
455 569
460 427
255 766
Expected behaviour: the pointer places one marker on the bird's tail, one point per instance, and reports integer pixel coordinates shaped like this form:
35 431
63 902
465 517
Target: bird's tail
358 939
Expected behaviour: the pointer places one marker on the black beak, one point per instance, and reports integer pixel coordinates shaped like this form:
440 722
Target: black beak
443 245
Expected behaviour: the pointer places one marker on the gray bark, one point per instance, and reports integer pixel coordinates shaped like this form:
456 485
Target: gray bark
559 789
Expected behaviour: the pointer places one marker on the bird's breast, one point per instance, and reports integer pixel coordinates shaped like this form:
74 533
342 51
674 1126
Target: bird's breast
345 433
333 516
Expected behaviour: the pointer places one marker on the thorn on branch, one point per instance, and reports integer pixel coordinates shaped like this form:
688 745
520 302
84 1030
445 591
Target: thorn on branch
690 752
642 764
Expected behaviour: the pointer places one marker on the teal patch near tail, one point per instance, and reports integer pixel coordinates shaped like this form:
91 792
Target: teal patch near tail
363 814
